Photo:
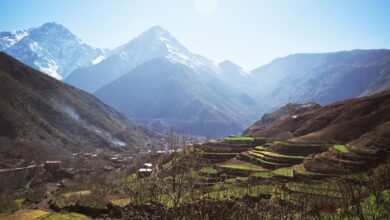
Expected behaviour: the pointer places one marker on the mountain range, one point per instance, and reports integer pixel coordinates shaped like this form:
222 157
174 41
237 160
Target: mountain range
39 114
157 81
324 78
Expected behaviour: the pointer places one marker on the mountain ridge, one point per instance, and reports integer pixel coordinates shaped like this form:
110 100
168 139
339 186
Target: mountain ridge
169 95
52 49
153 43
39 110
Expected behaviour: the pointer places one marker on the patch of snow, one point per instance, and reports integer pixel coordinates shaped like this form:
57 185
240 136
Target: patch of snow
98 59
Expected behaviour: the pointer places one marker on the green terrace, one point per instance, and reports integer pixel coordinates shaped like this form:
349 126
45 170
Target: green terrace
242 166
260 160
276 155
341 148
209 170
262 175
302 172
238 138
259 148
284 172
320 189
298 144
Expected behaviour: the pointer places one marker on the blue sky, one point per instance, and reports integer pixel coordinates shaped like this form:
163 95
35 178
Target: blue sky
247 32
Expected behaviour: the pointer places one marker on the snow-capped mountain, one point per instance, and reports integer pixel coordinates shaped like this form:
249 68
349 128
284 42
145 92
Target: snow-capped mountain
157 42
50 48
153 43
9 38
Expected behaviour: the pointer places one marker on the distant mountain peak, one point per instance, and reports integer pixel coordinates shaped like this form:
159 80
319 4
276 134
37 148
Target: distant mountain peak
229 63
50 48
158 30
55 30
52 24
228 67
157 35
158 42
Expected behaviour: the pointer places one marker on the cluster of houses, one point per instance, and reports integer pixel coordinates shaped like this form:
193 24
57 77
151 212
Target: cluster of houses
86 155
52 165
120 159
145 171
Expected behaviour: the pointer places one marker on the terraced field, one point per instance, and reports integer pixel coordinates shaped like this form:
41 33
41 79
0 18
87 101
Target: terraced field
244 157
343 159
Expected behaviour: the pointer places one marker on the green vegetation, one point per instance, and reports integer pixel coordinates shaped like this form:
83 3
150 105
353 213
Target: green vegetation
243 166
238 138
26 215
81 197
132 176
256 154
209 170
341 148
236 179
264 162
65 216
315 189
121 202
300 169
77 193
239 192
373 206
264 175
259 148
9 205
286 172
276 155
19 202
297 144
37 214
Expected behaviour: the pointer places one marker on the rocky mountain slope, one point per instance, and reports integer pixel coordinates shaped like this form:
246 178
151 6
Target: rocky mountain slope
341 122
287 111
39 114
50 48
164 95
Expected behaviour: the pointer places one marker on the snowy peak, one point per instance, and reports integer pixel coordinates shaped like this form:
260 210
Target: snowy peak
158 42
50 48
54 32
158 33
9 38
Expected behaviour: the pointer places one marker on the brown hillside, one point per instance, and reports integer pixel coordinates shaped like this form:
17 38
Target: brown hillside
37 109
341 122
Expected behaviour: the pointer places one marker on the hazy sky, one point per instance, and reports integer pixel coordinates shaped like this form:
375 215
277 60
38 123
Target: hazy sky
247 32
